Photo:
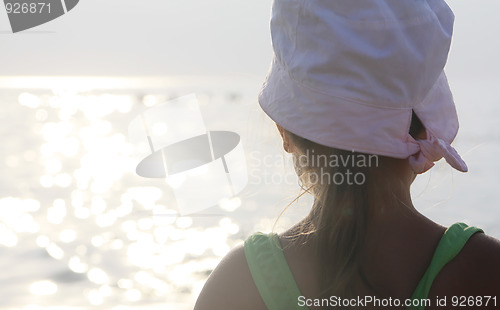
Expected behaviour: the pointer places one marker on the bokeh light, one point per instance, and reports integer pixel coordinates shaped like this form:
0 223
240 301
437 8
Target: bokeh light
89 221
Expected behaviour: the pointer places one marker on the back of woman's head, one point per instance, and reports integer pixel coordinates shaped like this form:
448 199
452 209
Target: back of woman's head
348 188
362 86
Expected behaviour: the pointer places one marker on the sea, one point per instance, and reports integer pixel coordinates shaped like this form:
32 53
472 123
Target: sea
79 228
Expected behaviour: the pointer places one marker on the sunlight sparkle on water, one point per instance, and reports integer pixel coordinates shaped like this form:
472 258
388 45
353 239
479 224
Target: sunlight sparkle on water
53 165
105 104
31 205
149 280
98 276
133 295
228 225
146 196
102 215
54 132
29 100
145 223
152 100
43 241
47 181
164 216
105 290
63 180
55 251
95 297
82 213
230 204
7 237
97 241
57 212
125 283
71 147
41 115
41 288
16 217
98 205
107 219
117 244
76 265
67 235
184 222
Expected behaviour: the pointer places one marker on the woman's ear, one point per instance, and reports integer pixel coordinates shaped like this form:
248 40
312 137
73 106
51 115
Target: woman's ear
286 139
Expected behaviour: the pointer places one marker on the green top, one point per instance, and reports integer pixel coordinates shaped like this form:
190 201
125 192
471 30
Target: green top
449 246
278 288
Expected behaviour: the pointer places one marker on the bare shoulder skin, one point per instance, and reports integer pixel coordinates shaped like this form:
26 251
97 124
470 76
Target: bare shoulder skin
474 272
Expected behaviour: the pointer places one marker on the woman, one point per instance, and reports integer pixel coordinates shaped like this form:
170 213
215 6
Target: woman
359 95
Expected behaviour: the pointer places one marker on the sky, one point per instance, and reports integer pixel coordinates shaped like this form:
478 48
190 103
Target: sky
195 37
147 37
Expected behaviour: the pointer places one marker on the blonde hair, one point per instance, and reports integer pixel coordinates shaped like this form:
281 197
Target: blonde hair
338 220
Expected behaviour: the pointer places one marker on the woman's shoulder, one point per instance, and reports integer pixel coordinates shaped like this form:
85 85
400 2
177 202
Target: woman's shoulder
230 285
475 271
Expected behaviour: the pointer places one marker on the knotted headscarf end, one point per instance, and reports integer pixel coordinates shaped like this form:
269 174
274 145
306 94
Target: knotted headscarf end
431 150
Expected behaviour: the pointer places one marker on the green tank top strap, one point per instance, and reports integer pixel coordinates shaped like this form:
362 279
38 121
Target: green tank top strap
271 273
452 242
278 288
